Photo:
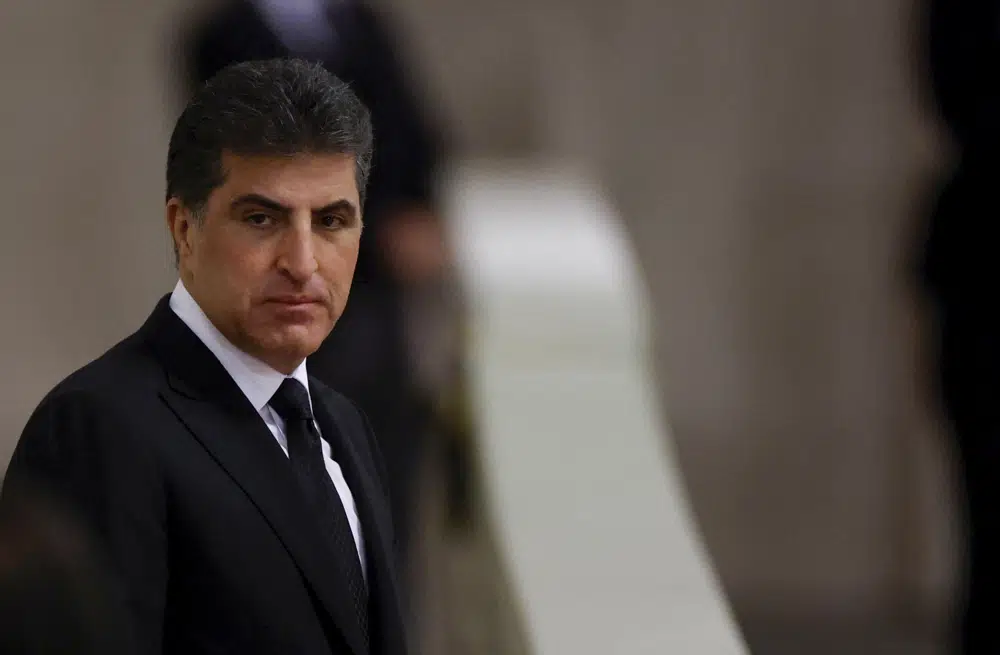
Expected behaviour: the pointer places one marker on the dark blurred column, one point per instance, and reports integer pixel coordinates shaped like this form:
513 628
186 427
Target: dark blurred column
960 275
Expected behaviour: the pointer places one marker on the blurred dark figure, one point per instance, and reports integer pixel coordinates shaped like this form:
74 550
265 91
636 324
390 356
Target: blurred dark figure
53 590
960 274
402 249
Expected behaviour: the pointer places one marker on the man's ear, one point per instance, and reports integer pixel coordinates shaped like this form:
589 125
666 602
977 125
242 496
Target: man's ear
180 222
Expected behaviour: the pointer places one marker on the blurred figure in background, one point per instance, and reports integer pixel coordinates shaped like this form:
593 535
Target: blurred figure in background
373 357
961 275
53 589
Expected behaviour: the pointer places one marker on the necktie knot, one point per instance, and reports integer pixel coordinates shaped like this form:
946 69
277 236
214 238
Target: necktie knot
291 401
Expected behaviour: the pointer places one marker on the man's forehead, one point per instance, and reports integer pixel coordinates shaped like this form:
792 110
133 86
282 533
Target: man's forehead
303 161
297 178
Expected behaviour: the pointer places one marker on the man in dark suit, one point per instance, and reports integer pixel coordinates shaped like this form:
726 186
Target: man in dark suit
402 248
242 502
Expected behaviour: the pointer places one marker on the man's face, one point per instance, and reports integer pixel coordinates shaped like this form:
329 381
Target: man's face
272 259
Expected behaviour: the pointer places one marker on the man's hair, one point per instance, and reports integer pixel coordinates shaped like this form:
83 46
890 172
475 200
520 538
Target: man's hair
274 107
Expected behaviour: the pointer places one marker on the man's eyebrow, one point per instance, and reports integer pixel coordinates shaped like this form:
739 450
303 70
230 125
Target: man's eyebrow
343 205
263 201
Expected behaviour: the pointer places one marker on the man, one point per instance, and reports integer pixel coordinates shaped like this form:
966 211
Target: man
242 502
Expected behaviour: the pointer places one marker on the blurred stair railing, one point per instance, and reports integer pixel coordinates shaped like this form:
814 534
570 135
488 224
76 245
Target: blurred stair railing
581 485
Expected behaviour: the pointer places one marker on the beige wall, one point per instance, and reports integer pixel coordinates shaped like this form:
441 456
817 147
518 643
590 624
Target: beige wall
84 131
766 156
763 153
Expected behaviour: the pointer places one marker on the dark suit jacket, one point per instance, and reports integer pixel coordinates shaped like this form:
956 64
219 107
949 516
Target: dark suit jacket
197 507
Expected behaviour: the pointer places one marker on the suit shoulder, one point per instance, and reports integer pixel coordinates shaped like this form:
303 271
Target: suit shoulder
127 368
98 400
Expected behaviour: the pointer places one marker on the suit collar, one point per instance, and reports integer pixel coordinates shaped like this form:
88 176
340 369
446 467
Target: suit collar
208 402
190 366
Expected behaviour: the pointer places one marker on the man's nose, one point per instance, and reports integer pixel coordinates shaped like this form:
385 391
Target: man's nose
298 256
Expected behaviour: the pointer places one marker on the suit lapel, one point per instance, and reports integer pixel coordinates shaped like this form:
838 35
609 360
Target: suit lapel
210 404
373 512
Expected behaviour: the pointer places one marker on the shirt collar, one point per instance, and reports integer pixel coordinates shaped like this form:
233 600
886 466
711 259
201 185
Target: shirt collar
256 380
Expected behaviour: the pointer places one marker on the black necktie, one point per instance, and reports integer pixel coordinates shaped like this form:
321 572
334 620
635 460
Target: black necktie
305 453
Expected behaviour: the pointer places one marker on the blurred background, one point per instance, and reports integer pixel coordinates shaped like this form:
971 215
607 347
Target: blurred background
771 162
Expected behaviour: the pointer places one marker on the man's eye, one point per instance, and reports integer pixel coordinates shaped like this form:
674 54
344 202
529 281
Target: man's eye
258 219
332 221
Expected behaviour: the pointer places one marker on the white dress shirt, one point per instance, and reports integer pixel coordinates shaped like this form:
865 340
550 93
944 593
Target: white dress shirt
259 382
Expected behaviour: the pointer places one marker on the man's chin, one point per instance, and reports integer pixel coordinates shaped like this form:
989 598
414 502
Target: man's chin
300 348
289 346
